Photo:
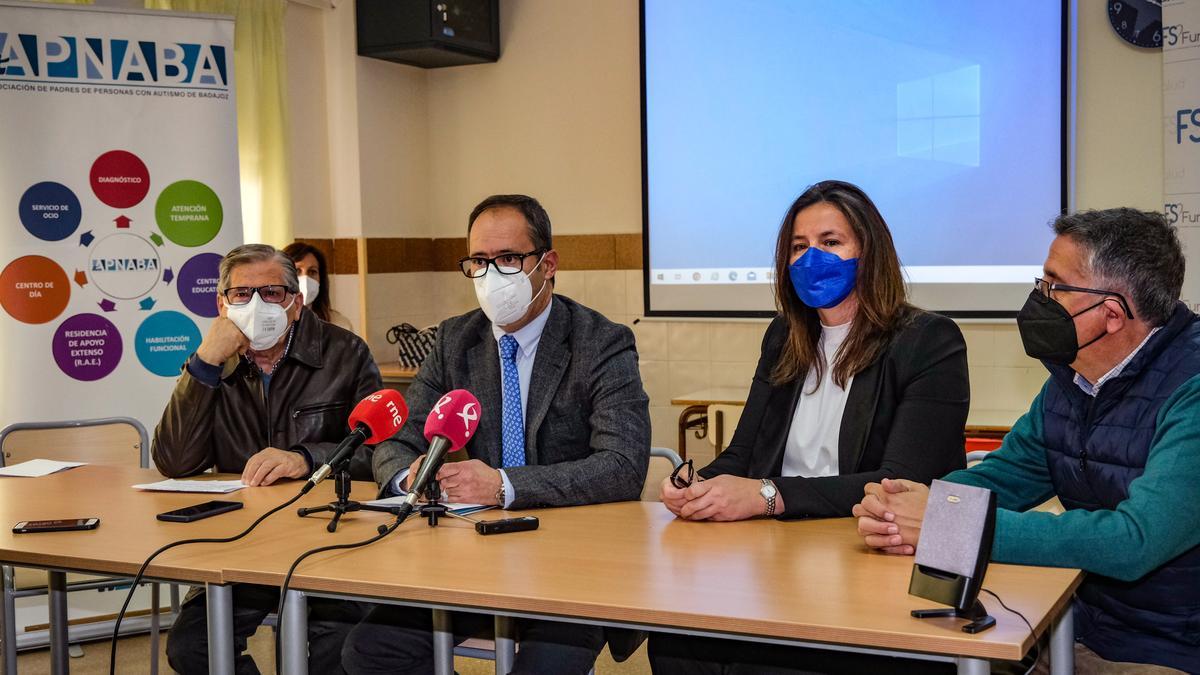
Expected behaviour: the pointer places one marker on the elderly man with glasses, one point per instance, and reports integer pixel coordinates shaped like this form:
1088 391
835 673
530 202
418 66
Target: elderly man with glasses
564 421
1114 434
266 395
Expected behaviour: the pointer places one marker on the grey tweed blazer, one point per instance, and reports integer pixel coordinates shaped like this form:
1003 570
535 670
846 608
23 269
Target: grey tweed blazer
587 427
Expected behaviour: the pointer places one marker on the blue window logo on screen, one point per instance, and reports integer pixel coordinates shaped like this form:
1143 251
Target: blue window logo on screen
937 117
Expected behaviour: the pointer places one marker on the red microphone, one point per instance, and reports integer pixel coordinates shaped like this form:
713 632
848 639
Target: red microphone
383 413
376 418
450 425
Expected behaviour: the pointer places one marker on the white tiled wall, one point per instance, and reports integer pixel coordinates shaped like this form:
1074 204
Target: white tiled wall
678 357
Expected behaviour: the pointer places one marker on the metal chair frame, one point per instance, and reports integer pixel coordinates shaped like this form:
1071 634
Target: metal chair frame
57 587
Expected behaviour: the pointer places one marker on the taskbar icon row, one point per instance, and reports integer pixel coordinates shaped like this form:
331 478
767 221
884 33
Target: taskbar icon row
729 275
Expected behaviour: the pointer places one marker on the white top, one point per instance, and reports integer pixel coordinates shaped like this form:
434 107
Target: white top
812 443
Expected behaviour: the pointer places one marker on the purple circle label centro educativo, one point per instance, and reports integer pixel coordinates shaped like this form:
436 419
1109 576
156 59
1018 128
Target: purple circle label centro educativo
197 284
87 347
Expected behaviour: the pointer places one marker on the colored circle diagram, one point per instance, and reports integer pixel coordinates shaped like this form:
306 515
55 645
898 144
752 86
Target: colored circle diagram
50 211
189 213
115 267
164 341
87 347
120 179
124 266
34 289
197 284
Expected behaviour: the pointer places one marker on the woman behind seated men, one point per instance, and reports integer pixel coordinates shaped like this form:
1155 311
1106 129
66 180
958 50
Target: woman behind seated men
853 385
314 282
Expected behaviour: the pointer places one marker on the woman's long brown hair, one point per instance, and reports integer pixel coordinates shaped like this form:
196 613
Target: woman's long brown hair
882 297
296 251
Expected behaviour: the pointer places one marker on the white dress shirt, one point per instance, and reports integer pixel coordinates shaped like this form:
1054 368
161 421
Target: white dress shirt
812 443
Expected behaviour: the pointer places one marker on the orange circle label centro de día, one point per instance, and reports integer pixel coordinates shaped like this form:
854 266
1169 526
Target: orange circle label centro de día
34 289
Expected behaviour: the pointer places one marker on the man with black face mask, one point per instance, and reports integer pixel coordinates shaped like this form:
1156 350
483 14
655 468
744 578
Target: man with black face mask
1114 434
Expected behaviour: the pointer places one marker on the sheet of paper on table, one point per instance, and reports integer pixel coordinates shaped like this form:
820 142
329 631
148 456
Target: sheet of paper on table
36 468
209 486
454 507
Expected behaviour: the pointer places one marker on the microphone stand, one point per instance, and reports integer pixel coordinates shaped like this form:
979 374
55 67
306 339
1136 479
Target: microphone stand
433 507
343 504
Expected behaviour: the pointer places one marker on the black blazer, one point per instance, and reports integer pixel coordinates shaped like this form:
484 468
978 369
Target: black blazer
904 418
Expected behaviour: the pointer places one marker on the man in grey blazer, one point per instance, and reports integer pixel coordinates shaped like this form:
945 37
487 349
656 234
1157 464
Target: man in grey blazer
564 421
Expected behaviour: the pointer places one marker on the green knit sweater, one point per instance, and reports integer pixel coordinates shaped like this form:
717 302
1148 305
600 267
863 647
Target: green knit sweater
1157 522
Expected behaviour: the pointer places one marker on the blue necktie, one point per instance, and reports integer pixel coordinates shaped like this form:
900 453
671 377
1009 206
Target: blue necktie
513 424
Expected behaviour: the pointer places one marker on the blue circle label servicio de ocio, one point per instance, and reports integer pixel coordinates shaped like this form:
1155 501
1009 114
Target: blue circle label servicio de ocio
50 211
164 341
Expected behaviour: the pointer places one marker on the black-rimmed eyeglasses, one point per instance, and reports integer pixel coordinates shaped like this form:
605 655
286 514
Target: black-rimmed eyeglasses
683 475
1047 287
240 295
506 263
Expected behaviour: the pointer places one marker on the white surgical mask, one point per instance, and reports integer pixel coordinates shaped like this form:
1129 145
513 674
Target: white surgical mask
505 297
311 288
263 323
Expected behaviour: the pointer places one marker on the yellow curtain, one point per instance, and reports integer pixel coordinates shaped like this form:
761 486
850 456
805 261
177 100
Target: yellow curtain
260 80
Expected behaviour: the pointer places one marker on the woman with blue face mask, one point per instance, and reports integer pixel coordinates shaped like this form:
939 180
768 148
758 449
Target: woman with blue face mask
853 385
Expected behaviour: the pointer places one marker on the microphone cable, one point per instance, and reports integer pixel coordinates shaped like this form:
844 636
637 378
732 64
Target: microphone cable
1037 644
383 531
112 658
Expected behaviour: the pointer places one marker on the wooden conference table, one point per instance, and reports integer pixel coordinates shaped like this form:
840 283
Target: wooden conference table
629 564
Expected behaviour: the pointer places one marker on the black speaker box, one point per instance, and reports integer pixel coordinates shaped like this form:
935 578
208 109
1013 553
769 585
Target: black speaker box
429 33
953 552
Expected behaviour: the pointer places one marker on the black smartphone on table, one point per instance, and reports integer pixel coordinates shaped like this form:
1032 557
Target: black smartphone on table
200 511
60 525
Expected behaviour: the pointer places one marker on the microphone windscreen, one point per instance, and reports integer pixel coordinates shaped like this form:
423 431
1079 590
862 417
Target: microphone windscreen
454 417
383 412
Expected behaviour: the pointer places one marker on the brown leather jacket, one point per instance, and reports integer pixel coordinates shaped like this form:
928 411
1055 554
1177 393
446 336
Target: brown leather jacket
324 374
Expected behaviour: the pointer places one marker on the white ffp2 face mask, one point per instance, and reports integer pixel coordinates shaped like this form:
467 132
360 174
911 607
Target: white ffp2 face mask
311 288
263 323
505 297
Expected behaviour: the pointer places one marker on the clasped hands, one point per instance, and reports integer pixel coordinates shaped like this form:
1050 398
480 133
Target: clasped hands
723 498
890 515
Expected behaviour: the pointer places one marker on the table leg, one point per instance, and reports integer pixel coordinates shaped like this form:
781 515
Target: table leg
9 643
57 582
443 643
969 666
219 598
294 636
1062 644
506 645
155 628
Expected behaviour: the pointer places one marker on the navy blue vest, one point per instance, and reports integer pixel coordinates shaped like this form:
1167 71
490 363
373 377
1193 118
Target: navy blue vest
1095 448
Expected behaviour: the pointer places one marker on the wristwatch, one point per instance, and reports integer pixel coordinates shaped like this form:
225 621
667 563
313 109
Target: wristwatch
768 491
500 495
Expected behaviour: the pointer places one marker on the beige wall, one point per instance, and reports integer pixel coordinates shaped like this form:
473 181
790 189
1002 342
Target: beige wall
308 121
558 117
410 151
